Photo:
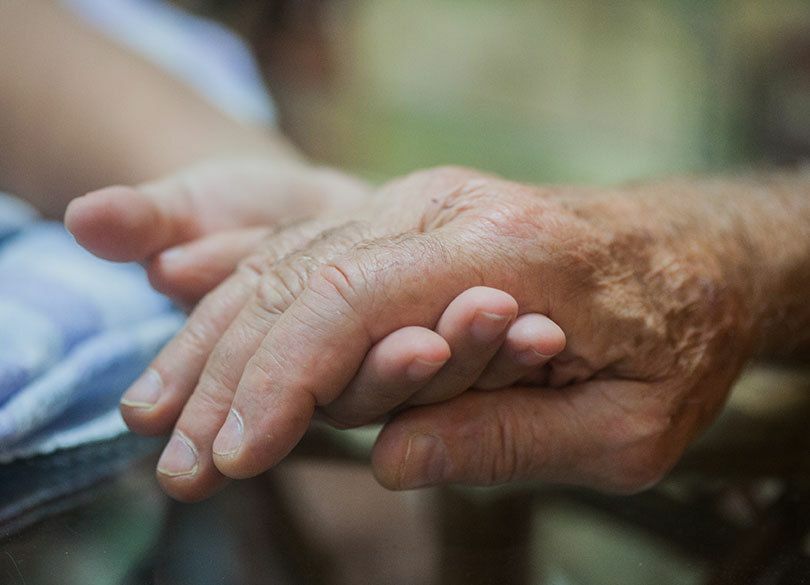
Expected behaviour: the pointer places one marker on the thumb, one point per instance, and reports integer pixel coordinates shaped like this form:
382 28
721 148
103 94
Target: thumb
564 436
477 438
135 223
130 224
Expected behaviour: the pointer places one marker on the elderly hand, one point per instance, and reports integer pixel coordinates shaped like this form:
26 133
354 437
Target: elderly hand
198 214
656 329
663 290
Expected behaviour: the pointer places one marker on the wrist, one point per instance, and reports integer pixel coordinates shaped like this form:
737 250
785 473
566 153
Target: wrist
749 238
690 263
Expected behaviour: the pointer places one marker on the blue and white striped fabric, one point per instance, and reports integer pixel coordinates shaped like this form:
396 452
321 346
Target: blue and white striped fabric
75 331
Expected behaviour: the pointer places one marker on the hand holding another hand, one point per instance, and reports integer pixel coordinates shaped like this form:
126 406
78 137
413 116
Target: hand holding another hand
318 317
194 214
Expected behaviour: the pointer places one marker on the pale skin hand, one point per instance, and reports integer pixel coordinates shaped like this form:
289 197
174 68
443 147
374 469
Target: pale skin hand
197 215
191 228
662 297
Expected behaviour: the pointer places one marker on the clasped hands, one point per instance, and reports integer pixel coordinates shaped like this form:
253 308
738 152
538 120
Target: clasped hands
499 331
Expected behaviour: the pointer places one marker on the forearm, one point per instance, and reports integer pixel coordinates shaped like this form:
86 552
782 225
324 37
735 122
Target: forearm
751 234
79 112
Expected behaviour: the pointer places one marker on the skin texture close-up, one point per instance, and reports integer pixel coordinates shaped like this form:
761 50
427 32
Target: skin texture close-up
656 326
477 339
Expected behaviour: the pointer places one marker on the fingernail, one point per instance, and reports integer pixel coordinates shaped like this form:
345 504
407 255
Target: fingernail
178 458
487 327
425 460
420 370
531 357
230 435
145 392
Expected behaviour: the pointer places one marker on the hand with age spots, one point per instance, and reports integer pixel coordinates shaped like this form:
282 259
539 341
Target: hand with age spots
663 291
185 229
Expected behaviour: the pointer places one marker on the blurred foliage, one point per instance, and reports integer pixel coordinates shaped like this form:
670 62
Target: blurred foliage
551 90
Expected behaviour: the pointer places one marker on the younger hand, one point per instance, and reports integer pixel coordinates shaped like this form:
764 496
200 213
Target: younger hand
190 229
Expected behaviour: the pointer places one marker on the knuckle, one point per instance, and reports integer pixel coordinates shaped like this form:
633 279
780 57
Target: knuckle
219 372
254 266
338 280
279 244
260 320
324 267
263 364
213 394
343 236
279 287
194 338
362 284
510 455
381 271
273 295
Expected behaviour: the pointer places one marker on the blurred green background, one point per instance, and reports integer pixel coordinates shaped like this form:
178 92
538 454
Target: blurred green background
548 90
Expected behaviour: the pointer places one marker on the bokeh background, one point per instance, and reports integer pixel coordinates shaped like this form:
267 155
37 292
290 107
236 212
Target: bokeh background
537 90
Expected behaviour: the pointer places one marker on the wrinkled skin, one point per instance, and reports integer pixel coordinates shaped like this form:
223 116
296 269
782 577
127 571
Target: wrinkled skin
655 338
192 228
